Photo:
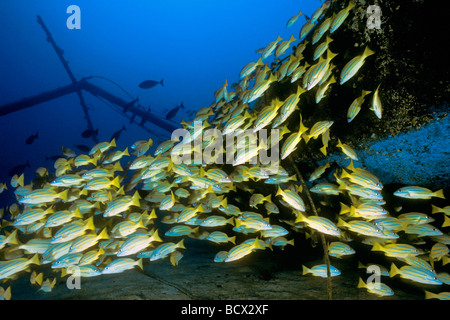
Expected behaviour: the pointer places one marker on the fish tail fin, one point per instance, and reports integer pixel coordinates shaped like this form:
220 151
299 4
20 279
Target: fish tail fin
103 235
345 174
39 278
112 144
116 182
181 244
162 82
141 223
156 236
20 180
344 208
446 222
377 247
305 270
77 213
351 167
300 217
279 191
302 129
341 223
224 202
439 194
429 295
340 145
394 270
268 198
324 150
117 166
125 152
63 194
7 294
306 137
35 260
360 265
330 55
233 239
139 264
152 214
361 283
90 223
435 209
94 161
368 52
12 238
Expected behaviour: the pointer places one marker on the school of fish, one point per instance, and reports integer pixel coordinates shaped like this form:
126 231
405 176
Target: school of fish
99 212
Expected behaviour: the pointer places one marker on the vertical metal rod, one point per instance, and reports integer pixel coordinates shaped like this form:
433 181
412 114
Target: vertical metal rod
322 237
59 53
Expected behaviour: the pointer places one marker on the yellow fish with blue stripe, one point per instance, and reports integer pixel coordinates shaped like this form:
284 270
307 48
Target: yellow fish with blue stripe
166 249
283 46
267 115
317 71
12 267
292 141
415 192
73 230
31 216
42 196
121 204
352 67
355 107
269 49
137 243
320 224
416 274
377 107
293 19
396 250
340 17
292 198
321 271
250 68
241 250
379 289
121 265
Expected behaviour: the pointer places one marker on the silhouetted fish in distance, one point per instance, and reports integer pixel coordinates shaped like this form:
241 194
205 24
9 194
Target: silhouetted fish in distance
31 138
18 169
172 113
89 133
130 104
145 116
117 134
83 147
148 84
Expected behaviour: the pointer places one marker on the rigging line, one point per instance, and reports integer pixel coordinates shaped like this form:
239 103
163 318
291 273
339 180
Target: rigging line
113 82
118 110
131 96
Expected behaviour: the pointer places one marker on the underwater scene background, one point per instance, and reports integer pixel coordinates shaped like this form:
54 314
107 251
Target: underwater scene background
357 208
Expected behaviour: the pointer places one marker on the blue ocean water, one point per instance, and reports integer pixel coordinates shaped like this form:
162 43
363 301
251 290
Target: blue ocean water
193 45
